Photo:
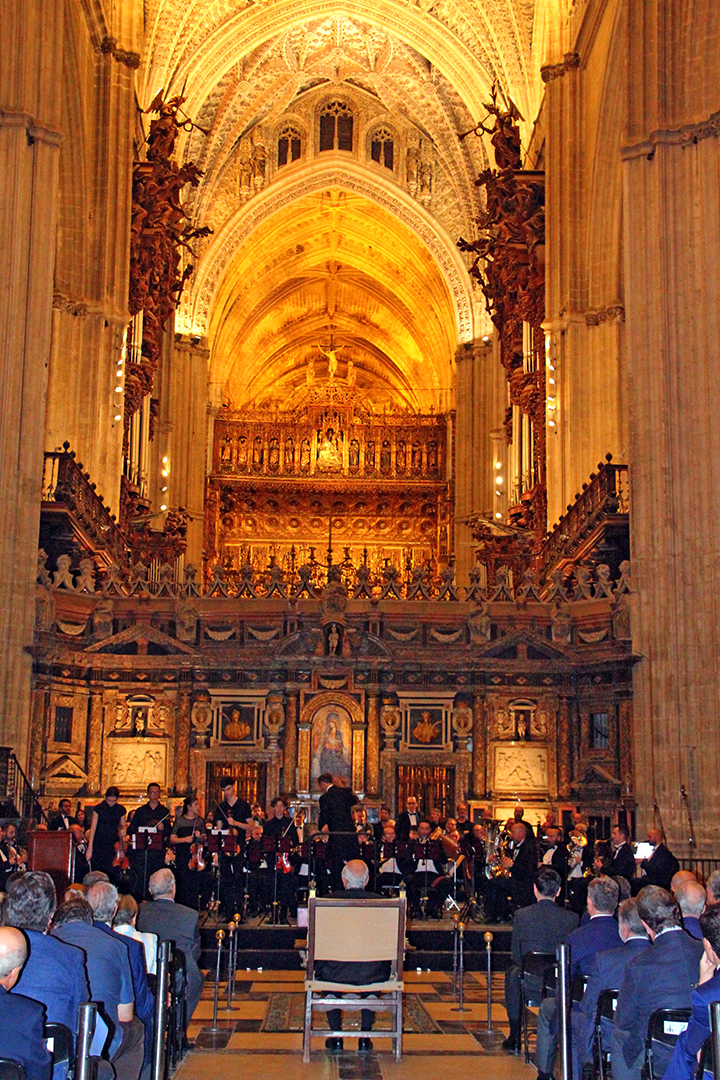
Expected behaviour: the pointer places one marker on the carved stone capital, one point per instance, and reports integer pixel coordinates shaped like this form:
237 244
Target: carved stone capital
78 308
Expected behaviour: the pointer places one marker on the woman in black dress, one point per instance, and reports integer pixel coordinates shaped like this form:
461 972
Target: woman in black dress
106 829
189 828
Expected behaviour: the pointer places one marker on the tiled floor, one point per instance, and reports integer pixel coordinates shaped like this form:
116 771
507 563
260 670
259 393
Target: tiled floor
259 1038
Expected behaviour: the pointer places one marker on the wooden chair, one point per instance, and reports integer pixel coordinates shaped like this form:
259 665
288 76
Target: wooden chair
355 931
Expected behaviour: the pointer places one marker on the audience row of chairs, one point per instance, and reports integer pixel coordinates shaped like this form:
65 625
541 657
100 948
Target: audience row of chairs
70 1058
664 1026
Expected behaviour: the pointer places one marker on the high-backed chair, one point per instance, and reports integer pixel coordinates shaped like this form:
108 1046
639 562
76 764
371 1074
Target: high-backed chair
355 931
536 977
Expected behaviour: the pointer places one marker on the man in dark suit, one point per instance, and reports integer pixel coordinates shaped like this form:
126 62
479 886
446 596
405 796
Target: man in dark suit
660 978
540 927
514 889
683 1063
103 899
691 897
354 877
174 922
407 820
622 860
21 1018
556 852
63 819
660 867
593 937
55 972
336 818
606 974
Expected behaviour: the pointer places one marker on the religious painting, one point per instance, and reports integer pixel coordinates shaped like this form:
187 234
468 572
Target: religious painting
331 742
237 723
426 726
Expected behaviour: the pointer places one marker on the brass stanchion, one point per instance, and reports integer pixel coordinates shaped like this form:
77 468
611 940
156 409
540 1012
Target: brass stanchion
456 920
490 1038
219 937
460 1007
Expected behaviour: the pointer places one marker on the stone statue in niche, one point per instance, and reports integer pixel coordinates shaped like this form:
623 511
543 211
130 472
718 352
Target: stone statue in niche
354 454
621 618
103 620
44 609
351 376
305 454
242 451
521 725
185 623
333 640
561 624
139 716
289 458
479 624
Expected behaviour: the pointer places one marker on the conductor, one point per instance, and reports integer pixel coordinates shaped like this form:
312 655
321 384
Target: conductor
336 805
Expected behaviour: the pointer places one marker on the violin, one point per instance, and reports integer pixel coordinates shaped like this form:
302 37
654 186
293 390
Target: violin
196 856
121 860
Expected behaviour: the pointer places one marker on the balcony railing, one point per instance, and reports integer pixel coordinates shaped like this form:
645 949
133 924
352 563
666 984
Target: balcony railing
66 486
607 496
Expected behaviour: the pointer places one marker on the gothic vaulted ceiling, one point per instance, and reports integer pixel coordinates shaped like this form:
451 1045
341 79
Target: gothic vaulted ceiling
351 242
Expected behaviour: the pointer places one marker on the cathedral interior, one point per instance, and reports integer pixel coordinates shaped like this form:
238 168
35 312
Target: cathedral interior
358 406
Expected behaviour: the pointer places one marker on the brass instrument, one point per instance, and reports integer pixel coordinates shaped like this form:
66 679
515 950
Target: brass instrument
497 850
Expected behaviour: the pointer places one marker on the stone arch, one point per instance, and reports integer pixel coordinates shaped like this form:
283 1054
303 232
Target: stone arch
194 316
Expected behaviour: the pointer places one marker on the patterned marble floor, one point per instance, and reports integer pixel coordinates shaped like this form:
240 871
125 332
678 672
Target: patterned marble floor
260 1036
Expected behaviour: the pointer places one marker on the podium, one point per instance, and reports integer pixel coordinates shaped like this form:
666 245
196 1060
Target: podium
53 852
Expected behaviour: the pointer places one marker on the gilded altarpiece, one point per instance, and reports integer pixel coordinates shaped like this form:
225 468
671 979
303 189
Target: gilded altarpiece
328 473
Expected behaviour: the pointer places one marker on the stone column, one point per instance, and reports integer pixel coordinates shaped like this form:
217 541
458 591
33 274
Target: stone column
480 746
564 745
39 735
291 737
94 742
30 136
358 756
182 742
372 775
672 265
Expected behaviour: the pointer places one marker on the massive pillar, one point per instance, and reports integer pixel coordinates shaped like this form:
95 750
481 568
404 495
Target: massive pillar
671 157
30 138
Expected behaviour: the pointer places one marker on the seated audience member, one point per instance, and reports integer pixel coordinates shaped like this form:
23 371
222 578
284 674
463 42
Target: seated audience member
712 888
601 931
660 867
691 897
593 937
355 877
108 968
680 877
124 923
103 899
93 877
606 974
539 927
174 922
683 1064
55 971
661 977
21 1018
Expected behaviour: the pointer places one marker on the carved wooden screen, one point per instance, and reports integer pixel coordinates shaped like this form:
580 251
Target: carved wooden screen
432 785
250 776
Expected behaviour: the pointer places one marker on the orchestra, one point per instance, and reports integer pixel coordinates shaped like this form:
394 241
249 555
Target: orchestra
235 857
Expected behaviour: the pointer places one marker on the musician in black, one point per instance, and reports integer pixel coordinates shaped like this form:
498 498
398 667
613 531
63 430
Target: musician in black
284 843
188 837
427 875
389 873
382 822
146 852
233 813
64 818
335 818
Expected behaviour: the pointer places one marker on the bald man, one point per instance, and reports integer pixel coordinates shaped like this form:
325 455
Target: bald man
690 895
660 867
21 1018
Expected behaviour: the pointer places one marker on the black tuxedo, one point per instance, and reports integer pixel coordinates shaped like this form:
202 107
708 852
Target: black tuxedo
61 821
559 861
336 812
659 869
403 824
522 875
622 864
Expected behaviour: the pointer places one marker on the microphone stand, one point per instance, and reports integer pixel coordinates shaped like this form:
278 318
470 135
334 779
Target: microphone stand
691 826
